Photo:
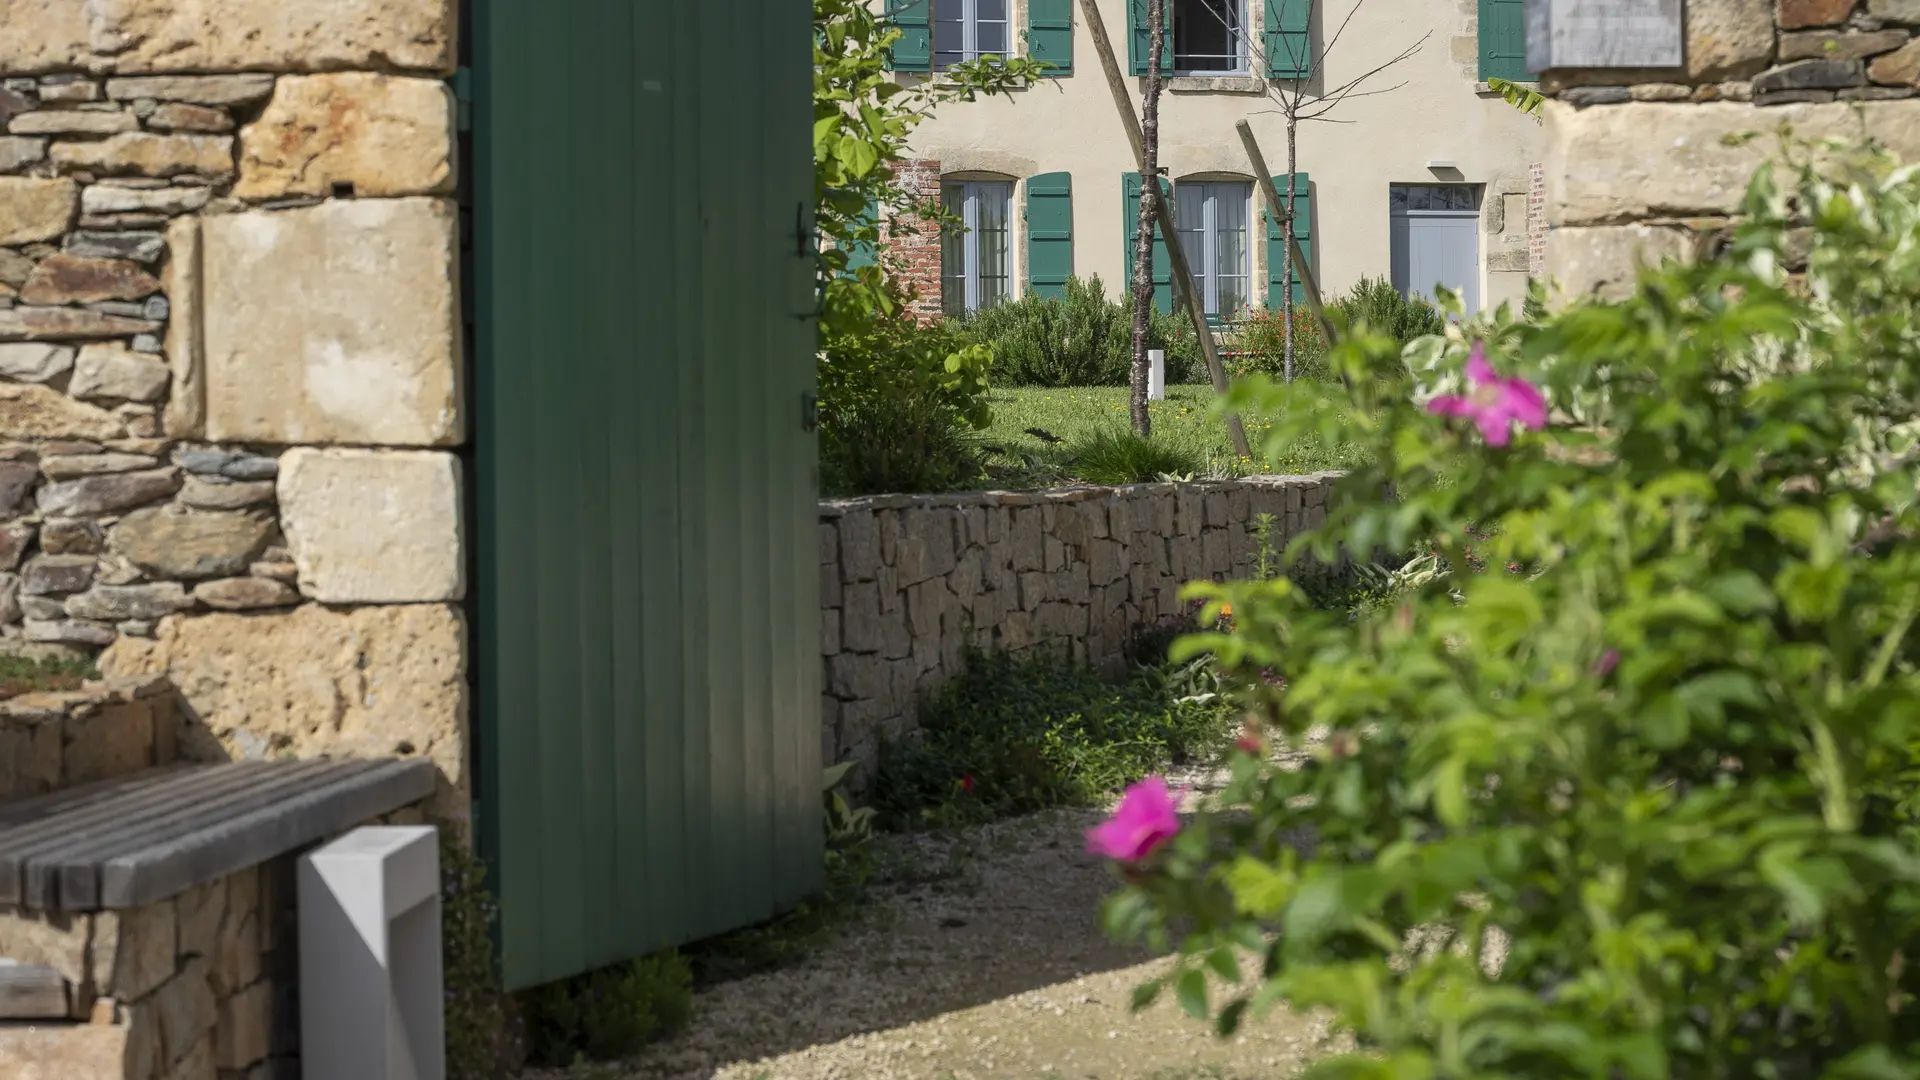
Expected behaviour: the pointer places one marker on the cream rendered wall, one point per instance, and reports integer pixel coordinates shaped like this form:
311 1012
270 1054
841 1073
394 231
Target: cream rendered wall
1441 113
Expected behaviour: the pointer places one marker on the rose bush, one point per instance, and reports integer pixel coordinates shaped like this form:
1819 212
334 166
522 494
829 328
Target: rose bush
1645 809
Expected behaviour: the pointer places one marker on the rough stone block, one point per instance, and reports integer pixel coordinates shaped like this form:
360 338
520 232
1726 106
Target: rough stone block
373 526
140 153
1604 260
64 1052
362 682
113 372
143 36
186 410
68 279
377 134
113 740
1647 159
32 210
243 1034
134 952
1728 39
334 324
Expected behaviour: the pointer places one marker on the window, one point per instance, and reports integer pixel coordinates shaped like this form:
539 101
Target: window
1436 240
1212 219
966 30
1209 36
974 269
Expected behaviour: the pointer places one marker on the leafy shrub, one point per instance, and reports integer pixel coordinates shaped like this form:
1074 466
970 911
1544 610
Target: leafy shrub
1374 302
609 1014
1115 455
479 1032
1082 339
1644 812
1018 732
1259 345
903 420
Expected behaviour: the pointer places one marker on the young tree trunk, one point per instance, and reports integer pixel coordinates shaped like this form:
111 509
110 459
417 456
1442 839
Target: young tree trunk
1149 196
1286 274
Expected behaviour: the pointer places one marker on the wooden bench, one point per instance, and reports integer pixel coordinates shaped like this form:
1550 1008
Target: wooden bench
126 843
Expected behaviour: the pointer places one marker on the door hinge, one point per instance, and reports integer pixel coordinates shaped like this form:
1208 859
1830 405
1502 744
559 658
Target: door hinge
463 98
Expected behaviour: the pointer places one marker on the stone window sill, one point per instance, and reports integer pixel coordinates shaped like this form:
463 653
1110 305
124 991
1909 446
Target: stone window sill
1214 84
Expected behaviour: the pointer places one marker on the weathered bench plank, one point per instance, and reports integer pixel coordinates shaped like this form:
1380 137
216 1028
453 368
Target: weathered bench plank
132 841
31 992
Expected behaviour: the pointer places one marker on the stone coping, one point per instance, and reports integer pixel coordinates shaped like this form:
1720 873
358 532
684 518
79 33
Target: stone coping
49 706
1071 493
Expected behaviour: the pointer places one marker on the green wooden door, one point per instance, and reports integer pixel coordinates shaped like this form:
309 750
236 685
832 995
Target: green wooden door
647 577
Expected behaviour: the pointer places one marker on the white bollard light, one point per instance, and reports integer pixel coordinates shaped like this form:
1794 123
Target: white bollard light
371 1002
1156 375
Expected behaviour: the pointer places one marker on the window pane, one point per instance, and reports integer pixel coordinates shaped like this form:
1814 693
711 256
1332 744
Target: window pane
1207 35
953 252
1230 245
949 37
1190 218
990 10
1397 197
991 38
995 201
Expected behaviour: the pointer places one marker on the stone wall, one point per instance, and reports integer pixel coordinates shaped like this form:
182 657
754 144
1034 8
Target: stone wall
908 583
1640 165
51 741
230 364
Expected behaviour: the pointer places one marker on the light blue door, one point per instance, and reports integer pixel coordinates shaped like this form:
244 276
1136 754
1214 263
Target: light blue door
1436 240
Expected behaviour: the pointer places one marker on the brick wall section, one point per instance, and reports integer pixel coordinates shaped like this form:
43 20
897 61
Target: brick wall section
915 250
908 582
1536 219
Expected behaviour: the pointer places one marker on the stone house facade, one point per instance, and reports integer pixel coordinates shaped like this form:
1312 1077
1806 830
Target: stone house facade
1421 172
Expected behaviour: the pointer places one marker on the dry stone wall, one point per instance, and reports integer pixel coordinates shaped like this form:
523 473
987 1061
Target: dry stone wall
909 583
230 365
1640 164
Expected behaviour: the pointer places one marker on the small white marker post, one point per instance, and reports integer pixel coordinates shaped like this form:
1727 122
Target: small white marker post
1156 375
370 979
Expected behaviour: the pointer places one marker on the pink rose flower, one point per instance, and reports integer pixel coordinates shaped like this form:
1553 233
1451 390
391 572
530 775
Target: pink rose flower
1144 820
1496 404
1604 666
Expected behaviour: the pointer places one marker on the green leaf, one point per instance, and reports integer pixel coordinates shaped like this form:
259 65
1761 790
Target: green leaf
1227 1024
1191 991
1146 994
1222 963
1259 890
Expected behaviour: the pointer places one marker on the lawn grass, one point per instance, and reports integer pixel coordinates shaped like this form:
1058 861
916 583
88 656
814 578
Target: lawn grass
1184 418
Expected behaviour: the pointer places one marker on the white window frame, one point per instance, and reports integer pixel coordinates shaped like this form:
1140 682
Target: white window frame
1242 66
973 296
969 30
1207 260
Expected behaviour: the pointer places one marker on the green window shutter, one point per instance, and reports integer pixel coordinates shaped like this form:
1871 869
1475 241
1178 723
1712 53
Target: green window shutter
1130 228
1049 233
1277 237
1288 41
1050 34
1137 38
914 50
864 254
1503 40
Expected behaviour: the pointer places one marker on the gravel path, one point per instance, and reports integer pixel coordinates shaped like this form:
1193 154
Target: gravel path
1000 971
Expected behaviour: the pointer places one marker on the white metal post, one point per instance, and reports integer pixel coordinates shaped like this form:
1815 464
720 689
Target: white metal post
371 1002
1157 375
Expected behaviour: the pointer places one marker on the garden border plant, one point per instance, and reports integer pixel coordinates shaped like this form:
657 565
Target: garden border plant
1644 808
